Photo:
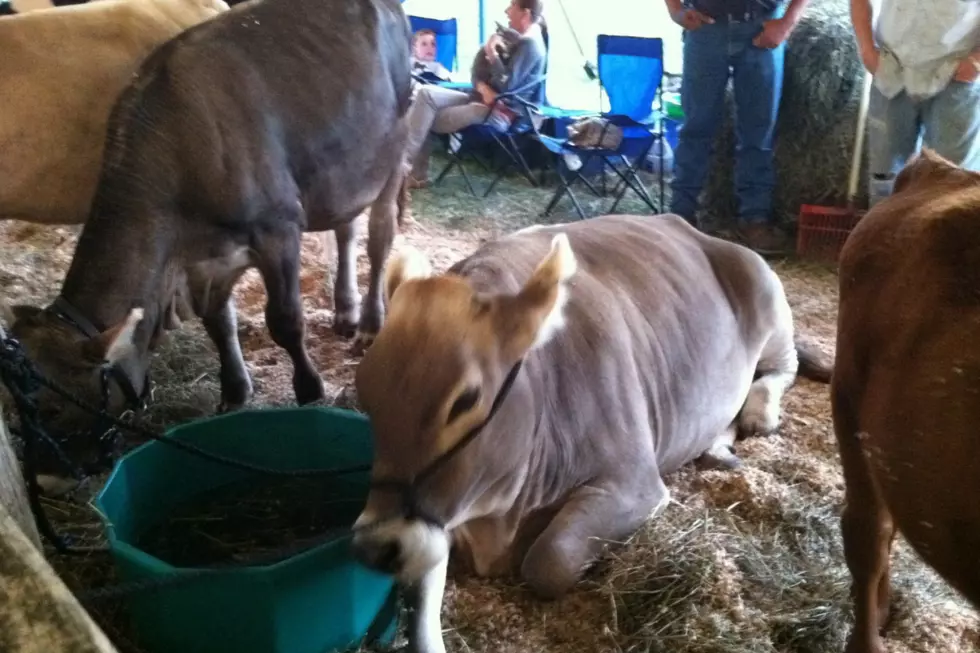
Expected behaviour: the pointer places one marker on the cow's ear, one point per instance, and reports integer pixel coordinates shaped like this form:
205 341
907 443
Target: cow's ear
530 318
116 343
405 264
925 165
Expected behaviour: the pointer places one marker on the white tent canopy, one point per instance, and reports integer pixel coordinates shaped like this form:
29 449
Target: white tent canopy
568 85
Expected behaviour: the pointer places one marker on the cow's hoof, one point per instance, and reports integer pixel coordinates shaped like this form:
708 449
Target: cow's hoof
759 416
344 325
308 390
719 458
347 399
229 407
857 644
362 341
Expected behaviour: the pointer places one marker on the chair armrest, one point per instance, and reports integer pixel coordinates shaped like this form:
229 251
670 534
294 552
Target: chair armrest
621 120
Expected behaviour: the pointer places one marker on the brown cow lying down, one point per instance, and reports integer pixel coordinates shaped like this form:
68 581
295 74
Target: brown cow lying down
640 337
274 118
906 387
63 68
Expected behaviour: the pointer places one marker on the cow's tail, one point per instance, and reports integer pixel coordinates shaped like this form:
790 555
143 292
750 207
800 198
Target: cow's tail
813 363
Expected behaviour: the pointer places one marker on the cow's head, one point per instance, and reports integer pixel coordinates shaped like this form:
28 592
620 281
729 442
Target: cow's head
431 376
928 169
93 369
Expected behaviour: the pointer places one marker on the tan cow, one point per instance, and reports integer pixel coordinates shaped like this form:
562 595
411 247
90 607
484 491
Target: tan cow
631 347
906 387
62 70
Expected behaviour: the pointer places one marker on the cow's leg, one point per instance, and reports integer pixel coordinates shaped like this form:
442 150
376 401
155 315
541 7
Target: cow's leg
777 367
278 258
867 529
424 603
221 324
346 298
210 296
594 514
721 454
381 235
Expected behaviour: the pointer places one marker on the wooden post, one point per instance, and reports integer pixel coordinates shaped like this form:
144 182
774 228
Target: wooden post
13 493
38 614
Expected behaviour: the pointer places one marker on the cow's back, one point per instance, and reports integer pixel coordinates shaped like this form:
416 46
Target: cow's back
276 101
656 328
908 366
63 69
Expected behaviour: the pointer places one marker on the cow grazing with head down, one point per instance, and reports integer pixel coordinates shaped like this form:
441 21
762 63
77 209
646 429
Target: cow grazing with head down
906 387
275 118
63 68
597 357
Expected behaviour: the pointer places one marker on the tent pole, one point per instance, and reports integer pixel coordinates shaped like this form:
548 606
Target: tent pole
482 27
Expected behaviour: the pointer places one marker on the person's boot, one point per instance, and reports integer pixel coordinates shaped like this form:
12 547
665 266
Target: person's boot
763 238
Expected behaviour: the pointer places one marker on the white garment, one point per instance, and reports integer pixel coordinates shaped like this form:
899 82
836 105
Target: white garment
922 42
434 67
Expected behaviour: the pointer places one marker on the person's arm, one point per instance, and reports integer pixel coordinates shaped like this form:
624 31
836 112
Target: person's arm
776 31
968 70
689 19
523 61
861 14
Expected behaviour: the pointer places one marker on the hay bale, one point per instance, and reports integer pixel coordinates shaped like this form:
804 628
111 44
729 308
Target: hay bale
822 87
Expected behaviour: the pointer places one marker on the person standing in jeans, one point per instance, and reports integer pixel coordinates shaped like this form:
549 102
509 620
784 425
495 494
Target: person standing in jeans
925 59
744 40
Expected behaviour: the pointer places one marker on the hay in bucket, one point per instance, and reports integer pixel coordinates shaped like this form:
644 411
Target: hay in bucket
817 120
257 521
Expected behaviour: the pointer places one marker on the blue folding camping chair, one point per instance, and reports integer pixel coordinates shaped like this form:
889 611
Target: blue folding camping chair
446 37
509 143
631 74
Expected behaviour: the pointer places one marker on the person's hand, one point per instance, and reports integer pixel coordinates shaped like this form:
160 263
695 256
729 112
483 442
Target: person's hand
691 19
871 57
967 71
486 93
773 33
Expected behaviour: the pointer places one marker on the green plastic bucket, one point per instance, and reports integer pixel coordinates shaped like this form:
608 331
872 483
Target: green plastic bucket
319 601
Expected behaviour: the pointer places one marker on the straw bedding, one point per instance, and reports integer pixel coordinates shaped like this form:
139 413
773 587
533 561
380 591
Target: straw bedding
739 562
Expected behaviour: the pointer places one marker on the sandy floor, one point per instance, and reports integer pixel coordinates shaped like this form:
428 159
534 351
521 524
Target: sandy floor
741 561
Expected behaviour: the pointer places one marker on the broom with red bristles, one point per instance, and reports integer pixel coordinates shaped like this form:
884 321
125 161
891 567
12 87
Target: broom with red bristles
822 230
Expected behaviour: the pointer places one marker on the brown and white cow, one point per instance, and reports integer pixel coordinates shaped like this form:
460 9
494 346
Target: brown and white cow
906 387
63 68
274 118
644 344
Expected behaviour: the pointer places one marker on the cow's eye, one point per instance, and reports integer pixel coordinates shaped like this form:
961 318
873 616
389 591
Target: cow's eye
464 403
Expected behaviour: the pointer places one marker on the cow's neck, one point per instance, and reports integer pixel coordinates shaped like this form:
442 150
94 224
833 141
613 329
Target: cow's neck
120 264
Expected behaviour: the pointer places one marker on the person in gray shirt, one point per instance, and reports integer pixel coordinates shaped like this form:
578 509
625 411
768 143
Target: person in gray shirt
925 59
446 111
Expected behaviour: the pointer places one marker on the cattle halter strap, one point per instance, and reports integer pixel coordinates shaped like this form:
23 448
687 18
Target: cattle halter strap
106 433
409 489
68 313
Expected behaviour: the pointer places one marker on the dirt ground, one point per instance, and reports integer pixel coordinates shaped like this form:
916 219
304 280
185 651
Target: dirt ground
746 561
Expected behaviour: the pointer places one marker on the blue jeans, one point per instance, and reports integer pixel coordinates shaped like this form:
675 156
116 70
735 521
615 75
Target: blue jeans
948 122
711 53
